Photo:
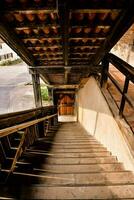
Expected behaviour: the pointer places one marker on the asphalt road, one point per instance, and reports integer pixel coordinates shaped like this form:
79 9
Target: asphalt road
15 92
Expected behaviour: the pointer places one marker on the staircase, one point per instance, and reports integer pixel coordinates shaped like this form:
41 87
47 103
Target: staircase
68 164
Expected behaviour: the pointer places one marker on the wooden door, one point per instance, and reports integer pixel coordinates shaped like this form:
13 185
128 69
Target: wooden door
66 104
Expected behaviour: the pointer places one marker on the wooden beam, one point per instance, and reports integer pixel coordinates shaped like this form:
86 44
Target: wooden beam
25 25
88 38
33 46
98 24
81 59
37 89
62 66
50 59
64 21
11 39
14 118
125 20
39 36
95 10
104 73
89 35
28 10
98 5
8 131
67 71
92 46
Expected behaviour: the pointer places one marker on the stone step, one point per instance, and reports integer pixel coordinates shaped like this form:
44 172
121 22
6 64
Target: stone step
83 168
88 192
66 139
102 178
73 140
70 155
71 143
70 161
76 146
96 150
72 137
73 150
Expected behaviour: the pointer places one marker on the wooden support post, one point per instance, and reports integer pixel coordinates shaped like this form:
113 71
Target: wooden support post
56 120
125 89
37 89
104 73
50 93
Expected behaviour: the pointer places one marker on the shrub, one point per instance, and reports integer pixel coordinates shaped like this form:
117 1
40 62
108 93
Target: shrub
44 93
10 62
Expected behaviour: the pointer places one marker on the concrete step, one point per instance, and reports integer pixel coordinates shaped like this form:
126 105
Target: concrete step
88 192
70 155
77 146
71 143
83 168
102 178
96 150
70 161
73 140
82 150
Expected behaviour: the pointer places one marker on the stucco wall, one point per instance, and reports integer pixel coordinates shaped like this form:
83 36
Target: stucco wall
96 117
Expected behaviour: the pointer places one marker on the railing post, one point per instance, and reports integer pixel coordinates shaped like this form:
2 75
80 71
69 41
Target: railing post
36 88
104 73
125 89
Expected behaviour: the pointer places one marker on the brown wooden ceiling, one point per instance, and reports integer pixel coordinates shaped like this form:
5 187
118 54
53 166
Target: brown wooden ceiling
64 39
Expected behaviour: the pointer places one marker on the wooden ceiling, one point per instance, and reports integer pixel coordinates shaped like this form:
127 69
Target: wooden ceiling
64 40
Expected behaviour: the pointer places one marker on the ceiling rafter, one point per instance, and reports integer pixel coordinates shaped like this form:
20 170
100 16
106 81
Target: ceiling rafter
55 35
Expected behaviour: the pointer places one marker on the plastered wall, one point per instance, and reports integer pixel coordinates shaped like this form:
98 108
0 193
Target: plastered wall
95 116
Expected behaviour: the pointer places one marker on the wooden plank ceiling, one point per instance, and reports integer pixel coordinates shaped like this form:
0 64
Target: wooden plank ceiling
64 40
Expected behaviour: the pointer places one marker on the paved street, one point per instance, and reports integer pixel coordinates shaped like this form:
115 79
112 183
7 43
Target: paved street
15 94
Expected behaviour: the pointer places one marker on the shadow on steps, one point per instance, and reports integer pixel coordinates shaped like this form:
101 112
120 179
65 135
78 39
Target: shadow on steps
69 165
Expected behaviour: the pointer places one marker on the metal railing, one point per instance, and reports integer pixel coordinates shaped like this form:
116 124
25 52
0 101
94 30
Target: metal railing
128 71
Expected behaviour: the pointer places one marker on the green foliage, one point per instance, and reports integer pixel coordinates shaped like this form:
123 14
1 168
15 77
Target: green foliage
10 62
44 93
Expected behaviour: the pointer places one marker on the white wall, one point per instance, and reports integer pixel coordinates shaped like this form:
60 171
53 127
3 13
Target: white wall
96 117
6 49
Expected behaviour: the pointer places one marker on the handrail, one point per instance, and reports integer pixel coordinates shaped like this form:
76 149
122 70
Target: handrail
7 131
30 132
122 66
128 99
7 120
5 115
128 71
